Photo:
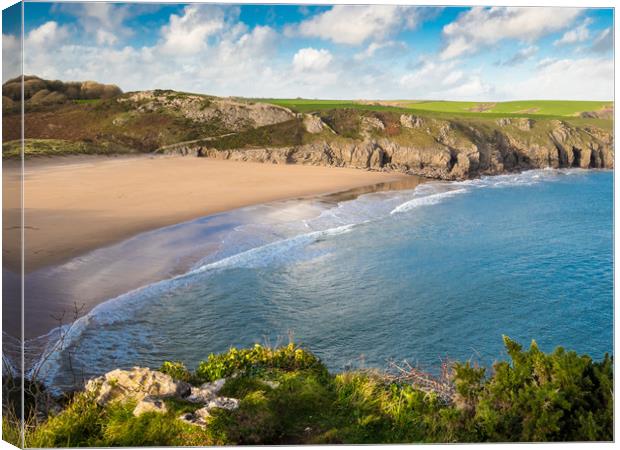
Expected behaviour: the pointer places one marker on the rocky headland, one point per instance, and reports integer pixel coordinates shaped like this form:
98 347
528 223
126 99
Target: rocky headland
86 117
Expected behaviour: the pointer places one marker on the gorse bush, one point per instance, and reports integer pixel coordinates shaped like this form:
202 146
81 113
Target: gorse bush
176 370
234 361
542 397
287 396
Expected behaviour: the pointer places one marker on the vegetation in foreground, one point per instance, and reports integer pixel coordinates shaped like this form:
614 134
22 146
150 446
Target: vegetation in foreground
287 396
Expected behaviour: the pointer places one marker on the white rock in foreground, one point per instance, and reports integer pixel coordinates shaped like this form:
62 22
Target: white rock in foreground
136 384
150 405
206 391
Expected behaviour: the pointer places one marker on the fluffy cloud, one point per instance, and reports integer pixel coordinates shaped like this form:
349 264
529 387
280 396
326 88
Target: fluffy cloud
575 35
311 60
104 21
347 24
484 27
188 33
443 80
47 35
558 80
207 48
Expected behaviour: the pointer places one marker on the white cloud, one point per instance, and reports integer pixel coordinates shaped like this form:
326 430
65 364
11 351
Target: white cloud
47 35
104 21
223 56
484 27
188 33
378 47
575 79
575 35
348 24
311 60
443 80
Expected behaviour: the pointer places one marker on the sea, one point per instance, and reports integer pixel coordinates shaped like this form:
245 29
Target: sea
440 272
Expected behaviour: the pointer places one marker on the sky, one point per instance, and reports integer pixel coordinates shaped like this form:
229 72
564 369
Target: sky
339 52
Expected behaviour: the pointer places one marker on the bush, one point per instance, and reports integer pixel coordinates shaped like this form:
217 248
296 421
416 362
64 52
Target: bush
237 361
176 370
288 397
558 396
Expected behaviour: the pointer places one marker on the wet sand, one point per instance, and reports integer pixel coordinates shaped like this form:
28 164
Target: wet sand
77 204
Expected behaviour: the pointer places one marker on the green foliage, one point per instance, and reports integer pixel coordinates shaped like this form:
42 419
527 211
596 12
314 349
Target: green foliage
237 361
277 135
546 397
288 397
176 370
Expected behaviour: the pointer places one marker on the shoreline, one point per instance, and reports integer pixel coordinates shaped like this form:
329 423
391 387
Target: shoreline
132 196
92 274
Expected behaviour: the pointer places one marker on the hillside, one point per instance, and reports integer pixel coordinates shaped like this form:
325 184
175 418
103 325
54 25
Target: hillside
287 396
447 140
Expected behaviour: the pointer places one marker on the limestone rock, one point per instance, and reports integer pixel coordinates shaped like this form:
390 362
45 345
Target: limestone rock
206 392
137 384
149 404
369 123
410 121
235 114
313 124
223 403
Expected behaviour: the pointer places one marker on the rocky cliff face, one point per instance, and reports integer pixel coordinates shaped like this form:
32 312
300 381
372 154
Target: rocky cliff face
232 114
444 149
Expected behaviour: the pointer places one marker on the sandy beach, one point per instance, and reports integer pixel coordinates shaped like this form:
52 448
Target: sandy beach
77 204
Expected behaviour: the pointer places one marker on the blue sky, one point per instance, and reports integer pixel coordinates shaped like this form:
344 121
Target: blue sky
380 51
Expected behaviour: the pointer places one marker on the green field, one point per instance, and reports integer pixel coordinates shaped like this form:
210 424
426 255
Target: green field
524 108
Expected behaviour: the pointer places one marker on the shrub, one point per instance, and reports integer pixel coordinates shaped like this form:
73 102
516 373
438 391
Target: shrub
234 361
176 370
539 397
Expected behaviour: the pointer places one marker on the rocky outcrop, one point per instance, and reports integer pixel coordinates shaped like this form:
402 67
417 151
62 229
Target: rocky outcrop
233 114
136 384
148 389
450 151
409 121
312 124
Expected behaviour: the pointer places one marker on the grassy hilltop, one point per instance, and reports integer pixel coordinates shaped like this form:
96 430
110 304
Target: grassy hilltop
524 108
287 396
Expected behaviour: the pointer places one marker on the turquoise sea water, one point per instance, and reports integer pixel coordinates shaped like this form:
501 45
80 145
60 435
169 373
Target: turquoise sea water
440 271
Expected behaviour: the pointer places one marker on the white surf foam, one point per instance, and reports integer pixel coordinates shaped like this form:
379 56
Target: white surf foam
431 199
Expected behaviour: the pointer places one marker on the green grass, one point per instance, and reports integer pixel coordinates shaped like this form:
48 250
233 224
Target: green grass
526 108
287 396
534 107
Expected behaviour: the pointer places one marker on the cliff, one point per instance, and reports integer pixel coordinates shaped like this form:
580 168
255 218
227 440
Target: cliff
436 148
94 118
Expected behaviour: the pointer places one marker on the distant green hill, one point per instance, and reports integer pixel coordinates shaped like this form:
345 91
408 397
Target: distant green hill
523 108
